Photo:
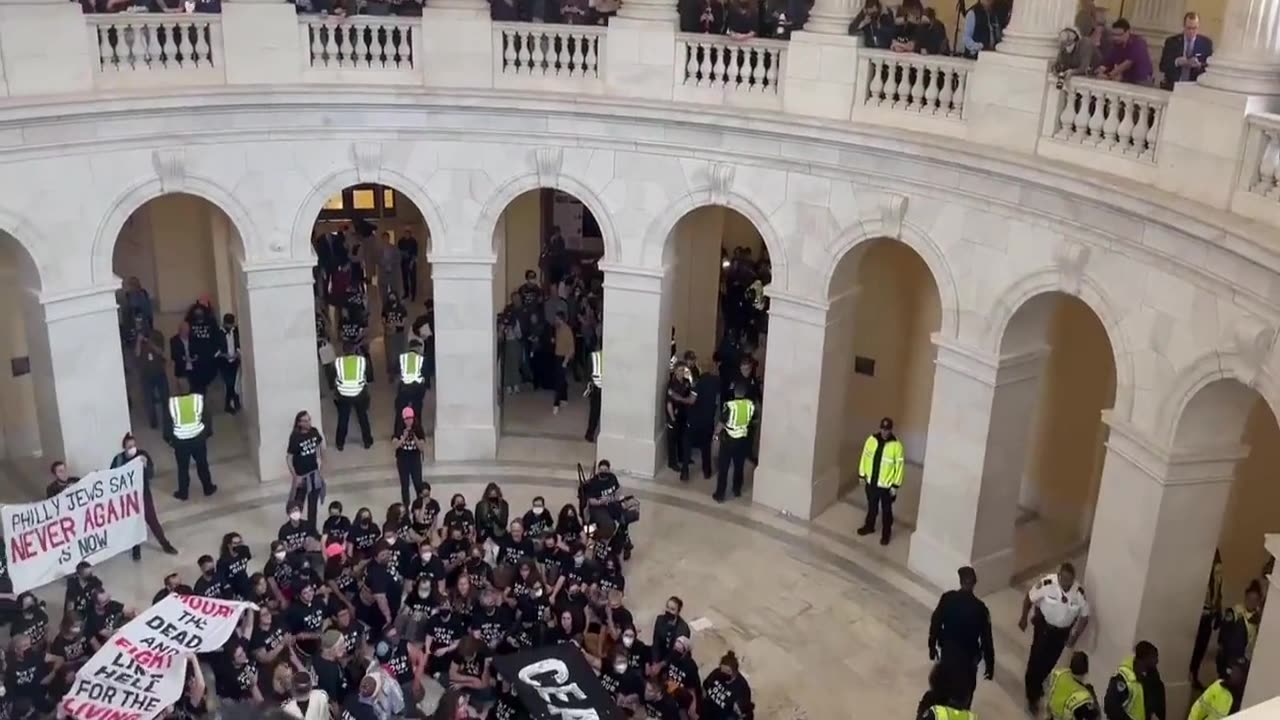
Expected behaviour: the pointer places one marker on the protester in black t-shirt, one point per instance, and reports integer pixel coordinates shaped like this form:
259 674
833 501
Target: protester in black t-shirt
307 618
32 621
295 533
337 528
381 590
658 705
355 634
726 694
210 584
515 545
330 676
236 677
423 512
105 616
493 621
304 458
444 631
623 683
340 577
233 565
173 585
26 671
538 520
364 534
568 526
455 549
70 644
469 670
80 588
459 515
269 641
279 573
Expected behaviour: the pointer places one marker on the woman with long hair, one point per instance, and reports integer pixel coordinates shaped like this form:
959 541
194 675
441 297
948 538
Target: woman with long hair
304 457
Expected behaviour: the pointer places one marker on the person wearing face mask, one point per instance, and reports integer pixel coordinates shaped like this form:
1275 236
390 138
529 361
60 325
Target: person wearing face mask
27 672
454 551
617 618
727 696
365 534
415 610
233 565
409 441
423 512
340 578
459 515
304 456
105 616
279 573
444 631
210 584
477 569
639 654
537 520
577 578
80 588
491 515
296 534
426 568
515 546
667 627
568 526
130 451
70 645
494 622
657 704
337 527
381 591
269 640
32 621
680 671
623 683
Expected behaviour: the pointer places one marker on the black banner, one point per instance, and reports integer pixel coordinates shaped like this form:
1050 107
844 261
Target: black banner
556 683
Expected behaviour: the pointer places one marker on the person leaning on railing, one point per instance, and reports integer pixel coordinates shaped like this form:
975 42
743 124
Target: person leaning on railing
874 25
1075 56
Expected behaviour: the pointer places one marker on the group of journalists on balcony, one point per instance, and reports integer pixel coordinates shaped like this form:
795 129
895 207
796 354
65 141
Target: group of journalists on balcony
1093 46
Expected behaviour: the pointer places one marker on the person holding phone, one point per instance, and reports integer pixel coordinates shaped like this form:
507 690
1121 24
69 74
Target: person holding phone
1186 54
408 442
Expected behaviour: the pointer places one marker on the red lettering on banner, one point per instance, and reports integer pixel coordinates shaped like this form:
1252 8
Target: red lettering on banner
82 710
50 536
205 606
20 547
111 510
149 659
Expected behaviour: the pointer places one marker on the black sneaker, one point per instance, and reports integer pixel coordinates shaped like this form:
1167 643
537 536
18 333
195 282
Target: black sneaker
717 497
180 495
137 553
210 490
864 530
170 550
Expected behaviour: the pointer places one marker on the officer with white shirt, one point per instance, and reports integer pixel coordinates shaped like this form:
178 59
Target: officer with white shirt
1061 614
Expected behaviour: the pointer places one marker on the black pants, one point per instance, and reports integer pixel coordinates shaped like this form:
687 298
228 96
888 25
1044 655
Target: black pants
732 450
409 278
560 381
879 500
700 439
307 494
1047 643
1203 633
184 451
155 396
593 413
676 432
360 403
229 370
153 520
410 395
409 465
964 668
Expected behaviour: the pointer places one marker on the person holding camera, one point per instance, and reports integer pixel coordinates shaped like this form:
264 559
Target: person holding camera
1075 56
601 493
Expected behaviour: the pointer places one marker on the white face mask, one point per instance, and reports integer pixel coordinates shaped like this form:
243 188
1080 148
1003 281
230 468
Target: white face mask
538 509
279 555
131 451
619 667
627 640
426 556
390 540
295 516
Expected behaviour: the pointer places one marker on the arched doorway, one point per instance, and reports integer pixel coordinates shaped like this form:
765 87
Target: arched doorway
29 432
549 295
373 295
179 257
883 307
716 269
1047 443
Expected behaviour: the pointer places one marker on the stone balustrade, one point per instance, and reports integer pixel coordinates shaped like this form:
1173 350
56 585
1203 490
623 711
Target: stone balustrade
1100 126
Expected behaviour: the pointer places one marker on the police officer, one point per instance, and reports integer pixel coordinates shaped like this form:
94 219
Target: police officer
960 633
413 383
880 469
1061 614
735 419
595 390
352 395
679 399
1220 698
1126 697
187 430
1070 697
1210 616
1239 628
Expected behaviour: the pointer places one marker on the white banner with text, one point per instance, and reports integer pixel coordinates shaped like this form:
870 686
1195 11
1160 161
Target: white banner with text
98 517
143 667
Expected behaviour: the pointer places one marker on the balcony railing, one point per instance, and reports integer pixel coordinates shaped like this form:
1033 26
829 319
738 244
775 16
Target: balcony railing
716 69
564 58
1110 117
145 50
1262 164
920 92
342 49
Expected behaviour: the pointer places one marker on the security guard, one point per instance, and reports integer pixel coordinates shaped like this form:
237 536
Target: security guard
1217 701
1239 629
880 469
1126 699
1070 697
413 384
351 380
1210 616
1062 613
595 391
735 419
187 432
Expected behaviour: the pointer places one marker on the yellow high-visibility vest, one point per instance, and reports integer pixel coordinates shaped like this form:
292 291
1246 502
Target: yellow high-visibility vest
1136 707
1214 703
410 367
891 462
740 413
187 412
942 712
350 370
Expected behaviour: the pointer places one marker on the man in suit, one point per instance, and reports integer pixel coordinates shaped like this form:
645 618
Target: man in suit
1186 54
185 355
229 362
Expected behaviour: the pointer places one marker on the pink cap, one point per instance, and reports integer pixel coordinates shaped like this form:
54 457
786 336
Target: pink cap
407 412
332 550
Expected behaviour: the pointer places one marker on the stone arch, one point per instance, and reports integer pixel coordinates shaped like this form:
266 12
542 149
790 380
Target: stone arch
657 238
140 194
1084 288
1211 367
914 238
26 237
516 186
305 219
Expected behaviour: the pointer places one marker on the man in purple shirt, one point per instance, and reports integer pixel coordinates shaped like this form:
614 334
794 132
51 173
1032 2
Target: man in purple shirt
1128 59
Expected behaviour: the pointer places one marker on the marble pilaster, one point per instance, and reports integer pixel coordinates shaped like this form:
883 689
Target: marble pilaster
1159 516
78 374
802 412
28 29
1034 26
466 358
278 374
973 469
1264 673
636 352
1246 57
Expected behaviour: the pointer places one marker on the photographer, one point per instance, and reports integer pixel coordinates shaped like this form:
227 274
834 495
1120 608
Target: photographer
1075 57
604 504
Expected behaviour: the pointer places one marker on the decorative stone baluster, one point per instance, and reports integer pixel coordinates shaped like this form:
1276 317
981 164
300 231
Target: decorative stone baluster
945 92
1082 115
156 51
1124 131
203 54
706 50
1140 127
771 73
1269 166
958 100
331 46
917 88
361 53
1111 119
902 94
1098 118
933 86
593 57
877 82
580 55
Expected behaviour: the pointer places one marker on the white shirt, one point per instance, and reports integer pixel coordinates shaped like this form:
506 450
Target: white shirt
317 707
1060 608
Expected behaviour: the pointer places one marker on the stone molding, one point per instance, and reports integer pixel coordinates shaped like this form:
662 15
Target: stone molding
1195 466
277 274
91 301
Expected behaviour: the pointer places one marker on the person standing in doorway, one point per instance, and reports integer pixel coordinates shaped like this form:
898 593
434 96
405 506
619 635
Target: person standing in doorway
129 451
960 633
304 457
204 341
595 394
679 400
229 363
880 469
701 426
393 338
388 266
352 394
408 247
736 422
413 383
1210 616
185 356
153 378
1061 614
564 349
409 442
187 431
